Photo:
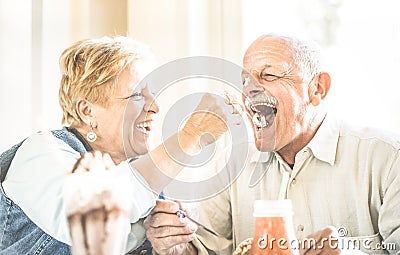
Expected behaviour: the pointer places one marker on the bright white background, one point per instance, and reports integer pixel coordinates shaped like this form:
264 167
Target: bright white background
361 40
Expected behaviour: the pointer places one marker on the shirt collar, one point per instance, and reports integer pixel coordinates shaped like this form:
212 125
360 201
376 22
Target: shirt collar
324 144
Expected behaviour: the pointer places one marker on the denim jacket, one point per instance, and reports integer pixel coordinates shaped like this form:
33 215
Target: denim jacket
18 234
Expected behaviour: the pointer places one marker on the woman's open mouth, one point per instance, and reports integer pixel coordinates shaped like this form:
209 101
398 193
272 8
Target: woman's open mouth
264 110
144 127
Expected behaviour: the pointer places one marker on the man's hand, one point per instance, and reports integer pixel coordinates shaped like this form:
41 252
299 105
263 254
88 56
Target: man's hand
324 241
168 233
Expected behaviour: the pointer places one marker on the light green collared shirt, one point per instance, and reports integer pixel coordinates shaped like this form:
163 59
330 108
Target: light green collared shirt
345 177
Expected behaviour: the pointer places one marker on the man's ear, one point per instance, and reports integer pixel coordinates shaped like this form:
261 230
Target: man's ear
319 88
86 112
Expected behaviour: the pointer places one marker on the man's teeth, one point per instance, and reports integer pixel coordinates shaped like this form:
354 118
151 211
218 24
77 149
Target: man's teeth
268 104
252 104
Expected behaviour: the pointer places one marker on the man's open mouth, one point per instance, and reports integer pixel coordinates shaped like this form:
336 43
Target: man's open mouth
264 110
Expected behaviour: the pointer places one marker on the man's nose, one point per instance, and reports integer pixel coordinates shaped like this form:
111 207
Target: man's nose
251 88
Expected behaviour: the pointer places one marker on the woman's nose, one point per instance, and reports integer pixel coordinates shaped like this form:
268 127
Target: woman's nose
151 105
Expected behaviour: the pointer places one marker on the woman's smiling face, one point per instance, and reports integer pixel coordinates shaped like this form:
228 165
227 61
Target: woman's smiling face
125 124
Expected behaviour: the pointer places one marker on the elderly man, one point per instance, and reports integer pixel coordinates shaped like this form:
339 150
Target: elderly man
337 177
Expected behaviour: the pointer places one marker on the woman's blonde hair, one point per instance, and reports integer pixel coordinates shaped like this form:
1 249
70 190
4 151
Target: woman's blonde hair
90 69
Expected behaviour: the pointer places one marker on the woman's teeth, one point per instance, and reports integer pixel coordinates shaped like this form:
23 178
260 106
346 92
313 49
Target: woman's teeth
144 127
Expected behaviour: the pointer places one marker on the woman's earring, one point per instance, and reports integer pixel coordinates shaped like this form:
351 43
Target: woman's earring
91 136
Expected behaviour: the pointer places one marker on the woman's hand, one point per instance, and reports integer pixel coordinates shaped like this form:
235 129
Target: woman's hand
212 117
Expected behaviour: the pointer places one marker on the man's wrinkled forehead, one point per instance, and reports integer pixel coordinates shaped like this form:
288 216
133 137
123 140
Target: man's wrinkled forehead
267 52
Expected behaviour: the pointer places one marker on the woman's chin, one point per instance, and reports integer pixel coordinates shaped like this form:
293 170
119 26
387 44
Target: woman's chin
136 149
139 145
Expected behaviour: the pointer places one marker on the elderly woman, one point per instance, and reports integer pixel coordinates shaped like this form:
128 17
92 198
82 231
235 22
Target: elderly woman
100 83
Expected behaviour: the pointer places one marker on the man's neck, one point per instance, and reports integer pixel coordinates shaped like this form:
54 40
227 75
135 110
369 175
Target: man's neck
288 152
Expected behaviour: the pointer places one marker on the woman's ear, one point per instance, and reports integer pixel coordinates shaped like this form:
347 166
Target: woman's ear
85 111
319 88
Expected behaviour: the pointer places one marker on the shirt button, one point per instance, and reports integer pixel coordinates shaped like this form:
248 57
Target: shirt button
293 181
300 228
142 252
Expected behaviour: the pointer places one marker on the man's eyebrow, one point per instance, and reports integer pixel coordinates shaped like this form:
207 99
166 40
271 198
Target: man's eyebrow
267 66
244 72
